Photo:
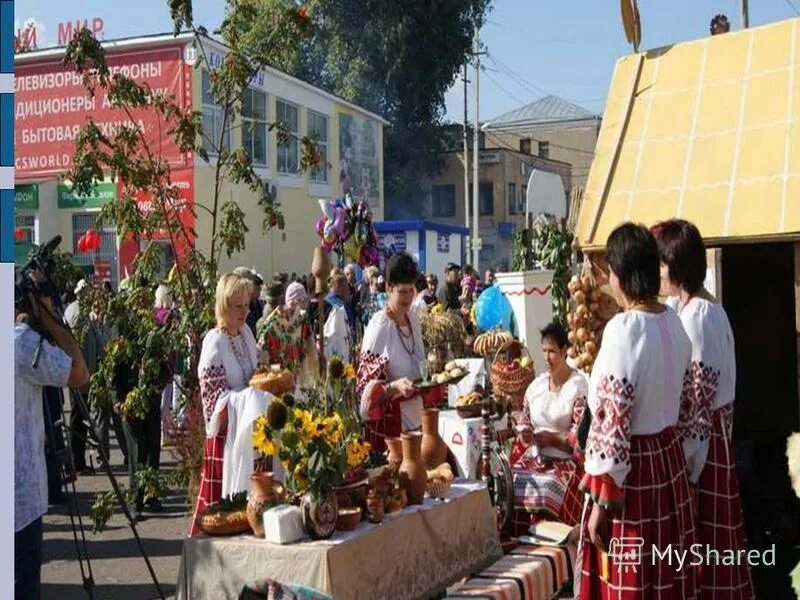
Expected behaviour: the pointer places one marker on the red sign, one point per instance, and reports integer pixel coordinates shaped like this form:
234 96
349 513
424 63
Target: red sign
68 29
51 107
183 180
102 271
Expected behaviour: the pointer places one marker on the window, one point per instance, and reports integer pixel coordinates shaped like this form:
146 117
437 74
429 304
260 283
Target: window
443 201
289 149
525 145
27 225
107 252
254 125
318 132
212 120
544 149
485 199
512 198
523 199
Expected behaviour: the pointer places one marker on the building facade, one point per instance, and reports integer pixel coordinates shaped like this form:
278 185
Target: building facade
503 175
51 107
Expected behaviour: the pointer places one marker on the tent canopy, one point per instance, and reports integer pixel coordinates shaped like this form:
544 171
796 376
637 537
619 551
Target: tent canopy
707 131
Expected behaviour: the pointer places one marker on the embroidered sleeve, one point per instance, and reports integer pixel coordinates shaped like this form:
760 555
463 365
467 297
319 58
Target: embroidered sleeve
372 371
213 386
607 460
698 396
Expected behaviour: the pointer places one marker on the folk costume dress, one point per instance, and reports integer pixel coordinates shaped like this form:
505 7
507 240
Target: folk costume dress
546 479
706 427
634 463
225 367
389 352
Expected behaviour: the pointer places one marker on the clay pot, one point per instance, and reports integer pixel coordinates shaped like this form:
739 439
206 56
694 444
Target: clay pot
413 474
395 446
259 500
434 450
374 507
319 516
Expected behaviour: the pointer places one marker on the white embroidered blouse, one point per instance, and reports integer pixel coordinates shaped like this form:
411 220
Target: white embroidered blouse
712 373
557 412
636 387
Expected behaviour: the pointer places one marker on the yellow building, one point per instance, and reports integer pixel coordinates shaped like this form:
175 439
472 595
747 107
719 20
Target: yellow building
51 105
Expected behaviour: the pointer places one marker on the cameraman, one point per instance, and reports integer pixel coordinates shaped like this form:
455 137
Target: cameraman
58 365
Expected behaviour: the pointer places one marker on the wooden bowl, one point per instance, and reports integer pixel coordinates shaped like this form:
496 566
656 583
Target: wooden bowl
348 519
470 411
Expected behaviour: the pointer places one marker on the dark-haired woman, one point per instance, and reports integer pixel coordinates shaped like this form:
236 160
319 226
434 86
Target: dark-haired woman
546 475
635 470
706 421
391 353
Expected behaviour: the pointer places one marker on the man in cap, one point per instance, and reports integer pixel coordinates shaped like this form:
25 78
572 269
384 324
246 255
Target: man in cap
256 304
450 294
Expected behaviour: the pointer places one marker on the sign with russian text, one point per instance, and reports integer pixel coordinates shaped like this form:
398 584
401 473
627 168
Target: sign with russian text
51 107
103 193
26 196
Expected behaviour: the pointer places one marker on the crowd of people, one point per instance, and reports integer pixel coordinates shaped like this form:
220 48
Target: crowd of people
640 449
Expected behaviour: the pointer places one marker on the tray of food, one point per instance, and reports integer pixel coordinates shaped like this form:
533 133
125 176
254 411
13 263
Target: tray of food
451 375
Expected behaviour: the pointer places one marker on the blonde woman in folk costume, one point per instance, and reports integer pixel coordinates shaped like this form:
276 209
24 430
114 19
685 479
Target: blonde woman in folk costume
707 420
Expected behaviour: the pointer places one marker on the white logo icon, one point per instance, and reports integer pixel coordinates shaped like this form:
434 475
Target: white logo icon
626 552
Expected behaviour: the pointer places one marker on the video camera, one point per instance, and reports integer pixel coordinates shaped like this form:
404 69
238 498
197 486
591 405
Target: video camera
35 278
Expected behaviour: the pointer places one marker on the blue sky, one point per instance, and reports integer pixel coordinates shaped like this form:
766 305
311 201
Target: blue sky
536 47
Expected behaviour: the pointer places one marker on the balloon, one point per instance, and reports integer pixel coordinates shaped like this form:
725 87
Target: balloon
320 226
327 209
93 240
19 234
82 245
339 218
492 309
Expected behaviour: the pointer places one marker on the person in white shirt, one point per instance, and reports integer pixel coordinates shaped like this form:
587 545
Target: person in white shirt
635 469
37 363
338 322
708 418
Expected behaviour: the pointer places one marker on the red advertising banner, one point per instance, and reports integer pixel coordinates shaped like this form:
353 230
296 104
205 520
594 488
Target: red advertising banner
102 271
183 180
51 107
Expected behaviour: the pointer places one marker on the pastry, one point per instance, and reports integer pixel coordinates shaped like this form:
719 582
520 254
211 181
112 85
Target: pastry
276 383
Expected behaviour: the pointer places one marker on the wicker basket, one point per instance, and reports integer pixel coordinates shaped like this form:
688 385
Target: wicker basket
438 488
224 522
511 383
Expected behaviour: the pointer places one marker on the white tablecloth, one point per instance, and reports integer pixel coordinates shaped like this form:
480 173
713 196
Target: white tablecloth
415 553
463 437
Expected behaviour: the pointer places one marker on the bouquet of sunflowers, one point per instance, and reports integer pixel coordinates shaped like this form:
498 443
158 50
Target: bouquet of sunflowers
316 449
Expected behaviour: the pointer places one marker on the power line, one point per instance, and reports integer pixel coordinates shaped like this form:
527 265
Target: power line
504 90
793 7
523 136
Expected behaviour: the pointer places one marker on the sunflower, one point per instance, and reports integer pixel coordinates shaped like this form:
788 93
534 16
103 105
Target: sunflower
304 423
357 452
260 439
350 371
335 368
277 415
333 429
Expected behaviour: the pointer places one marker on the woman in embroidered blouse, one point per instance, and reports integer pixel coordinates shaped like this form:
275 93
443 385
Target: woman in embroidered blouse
707 420
546 476
635 470
227 361
391 353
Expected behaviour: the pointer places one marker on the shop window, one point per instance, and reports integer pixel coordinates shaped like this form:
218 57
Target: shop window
289 149
318 132
254 125
107 252
27 225
213 117
544 149
443 201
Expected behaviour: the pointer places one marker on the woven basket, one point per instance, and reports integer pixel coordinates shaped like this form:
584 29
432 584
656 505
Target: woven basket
511 383
224 523
438 488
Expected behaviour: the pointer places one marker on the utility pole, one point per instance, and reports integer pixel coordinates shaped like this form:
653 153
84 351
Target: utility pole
466 153
475 237
745 12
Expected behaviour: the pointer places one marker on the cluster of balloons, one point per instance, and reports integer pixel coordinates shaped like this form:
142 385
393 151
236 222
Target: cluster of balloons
346 226
492 309
89 241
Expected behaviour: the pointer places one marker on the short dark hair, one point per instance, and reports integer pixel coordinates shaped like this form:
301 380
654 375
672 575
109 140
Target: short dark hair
401 268
421 283
681 248
633 256
556 332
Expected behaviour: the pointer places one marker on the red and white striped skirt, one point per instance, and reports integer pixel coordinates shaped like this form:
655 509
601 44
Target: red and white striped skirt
547 489
658 513
720 522
211 478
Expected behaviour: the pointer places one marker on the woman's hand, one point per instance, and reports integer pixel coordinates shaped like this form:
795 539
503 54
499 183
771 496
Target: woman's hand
598 527
402 387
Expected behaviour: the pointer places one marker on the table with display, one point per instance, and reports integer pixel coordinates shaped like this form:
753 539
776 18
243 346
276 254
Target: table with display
415 553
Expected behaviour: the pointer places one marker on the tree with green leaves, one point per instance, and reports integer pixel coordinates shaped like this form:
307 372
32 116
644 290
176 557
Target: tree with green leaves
129 157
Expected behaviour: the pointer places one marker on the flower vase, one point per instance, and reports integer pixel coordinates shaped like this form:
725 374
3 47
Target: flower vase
434 450
395 447
319 516
259 500
413 475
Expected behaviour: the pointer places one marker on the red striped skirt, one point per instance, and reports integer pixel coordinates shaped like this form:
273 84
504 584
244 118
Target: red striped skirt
720 522
548 489
658 513
211 478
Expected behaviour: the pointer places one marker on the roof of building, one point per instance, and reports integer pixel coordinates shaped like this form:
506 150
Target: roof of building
184 37
689 132
550 109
